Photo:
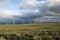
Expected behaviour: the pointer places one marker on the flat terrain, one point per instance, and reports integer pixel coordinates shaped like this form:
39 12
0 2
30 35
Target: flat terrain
41 31
17 28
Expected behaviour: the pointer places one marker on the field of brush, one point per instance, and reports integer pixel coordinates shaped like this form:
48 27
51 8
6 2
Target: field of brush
42 31
17 28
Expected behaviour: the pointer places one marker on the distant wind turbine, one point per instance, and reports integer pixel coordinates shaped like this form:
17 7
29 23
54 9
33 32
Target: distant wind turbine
14 21
30 21
6 21
23 21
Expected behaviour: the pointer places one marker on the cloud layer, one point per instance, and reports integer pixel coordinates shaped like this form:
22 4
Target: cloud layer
34 10
46 11
3 2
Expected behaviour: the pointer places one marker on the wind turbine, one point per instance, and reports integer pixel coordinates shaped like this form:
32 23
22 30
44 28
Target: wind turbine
3 19
23 21
30 21
14 21
18 18
6 21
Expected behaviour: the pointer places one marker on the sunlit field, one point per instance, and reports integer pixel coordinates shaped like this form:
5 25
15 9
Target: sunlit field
42 31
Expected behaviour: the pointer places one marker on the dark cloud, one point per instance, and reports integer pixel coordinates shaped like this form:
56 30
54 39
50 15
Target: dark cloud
49 11
55 9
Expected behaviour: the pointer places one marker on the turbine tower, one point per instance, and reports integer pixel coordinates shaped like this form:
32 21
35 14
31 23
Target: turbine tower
13 21
30 21
23 21
6 21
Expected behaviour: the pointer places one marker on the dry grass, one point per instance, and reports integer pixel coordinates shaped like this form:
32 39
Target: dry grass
9 28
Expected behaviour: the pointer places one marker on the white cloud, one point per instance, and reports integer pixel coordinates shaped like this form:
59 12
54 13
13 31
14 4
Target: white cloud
6 13
47 9
31 7
53 3
54 6
3 2
31 4
51 17
56 14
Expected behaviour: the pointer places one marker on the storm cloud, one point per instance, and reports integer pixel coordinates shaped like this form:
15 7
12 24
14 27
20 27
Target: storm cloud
35 10
45 10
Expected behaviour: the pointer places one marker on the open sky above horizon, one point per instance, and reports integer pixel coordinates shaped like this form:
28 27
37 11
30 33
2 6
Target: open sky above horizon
36 10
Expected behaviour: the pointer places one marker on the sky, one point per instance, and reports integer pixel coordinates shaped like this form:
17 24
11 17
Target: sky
30 10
